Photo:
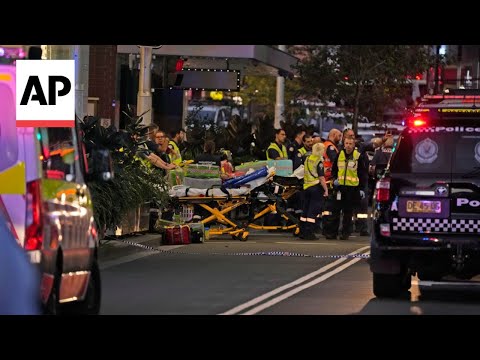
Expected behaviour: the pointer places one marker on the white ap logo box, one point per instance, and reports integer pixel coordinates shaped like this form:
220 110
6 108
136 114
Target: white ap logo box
45 93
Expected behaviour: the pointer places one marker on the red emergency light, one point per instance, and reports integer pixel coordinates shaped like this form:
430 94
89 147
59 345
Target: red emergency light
417 121
179 65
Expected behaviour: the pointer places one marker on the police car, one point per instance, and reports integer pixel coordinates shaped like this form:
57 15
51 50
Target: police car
426 218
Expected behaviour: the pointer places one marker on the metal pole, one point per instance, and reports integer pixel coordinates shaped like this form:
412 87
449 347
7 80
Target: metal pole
437 64
81 54
280 102
144 98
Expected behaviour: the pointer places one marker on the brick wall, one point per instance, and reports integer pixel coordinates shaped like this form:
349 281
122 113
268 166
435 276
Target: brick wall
102 77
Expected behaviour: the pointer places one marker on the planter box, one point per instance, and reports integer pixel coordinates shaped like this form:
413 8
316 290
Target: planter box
136 220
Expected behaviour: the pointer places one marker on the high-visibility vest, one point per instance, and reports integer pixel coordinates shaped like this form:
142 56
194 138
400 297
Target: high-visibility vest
282 152
347 169
302 150
310 177
175 159
327 162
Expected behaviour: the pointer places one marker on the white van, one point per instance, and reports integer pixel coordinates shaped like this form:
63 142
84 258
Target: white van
219 115
53 218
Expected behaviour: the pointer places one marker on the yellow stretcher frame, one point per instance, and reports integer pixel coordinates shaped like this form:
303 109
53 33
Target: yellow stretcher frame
272 208
239 230
225 204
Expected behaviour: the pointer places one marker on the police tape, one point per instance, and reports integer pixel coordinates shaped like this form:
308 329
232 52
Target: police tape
253 253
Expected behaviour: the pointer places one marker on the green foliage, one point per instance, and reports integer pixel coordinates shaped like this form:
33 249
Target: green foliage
262 90
365 78
136 181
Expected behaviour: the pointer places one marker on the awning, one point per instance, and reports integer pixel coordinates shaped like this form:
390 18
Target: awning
249 59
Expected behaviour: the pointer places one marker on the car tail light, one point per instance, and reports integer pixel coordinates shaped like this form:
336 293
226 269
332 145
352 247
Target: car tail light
382 192
385 229
33 222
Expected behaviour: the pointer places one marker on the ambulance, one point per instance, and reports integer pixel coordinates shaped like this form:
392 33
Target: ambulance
45 198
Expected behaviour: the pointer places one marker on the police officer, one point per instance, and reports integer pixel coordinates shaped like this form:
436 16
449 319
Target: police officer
277 149
306 149
294 148
350 176
315 189
361 209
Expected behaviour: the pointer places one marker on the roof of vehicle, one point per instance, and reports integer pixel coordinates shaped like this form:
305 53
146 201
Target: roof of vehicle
456 100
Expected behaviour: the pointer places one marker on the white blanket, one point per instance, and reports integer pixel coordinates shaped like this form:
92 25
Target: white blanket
181 190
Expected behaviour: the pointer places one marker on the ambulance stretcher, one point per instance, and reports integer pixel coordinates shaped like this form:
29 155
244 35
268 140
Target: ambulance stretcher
216 205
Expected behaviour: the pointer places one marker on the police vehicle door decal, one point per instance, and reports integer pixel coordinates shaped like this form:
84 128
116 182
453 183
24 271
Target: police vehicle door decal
426 151
477 152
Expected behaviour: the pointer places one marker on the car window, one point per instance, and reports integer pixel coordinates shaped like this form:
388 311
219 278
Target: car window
437 151
206 115
58 153
423 153
467 153
8 128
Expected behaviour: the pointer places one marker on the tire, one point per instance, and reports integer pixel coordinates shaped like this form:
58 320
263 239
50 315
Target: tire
388 285
52 306
91 304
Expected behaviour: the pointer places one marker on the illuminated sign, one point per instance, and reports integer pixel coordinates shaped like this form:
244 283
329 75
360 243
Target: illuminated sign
206 79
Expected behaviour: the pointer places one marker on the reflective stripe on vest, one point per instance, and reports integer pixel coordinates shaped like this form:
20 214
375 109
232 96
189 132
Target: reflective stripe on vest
327 162
282 153
310 176
347 170
302 151
176 159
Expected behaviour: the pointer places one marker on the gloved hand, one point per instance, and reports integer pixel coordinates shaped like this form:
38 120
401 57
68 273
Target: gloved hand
336 183
362 194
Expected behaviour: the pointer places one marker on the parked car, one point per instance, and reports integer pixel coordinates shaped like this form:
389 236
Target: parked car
218 115
53 221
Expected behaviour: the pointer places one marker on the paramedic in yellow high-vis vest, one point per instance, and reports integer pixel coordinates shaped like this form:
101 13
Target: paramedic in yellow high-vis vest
277 149
350 174
314 192
176 139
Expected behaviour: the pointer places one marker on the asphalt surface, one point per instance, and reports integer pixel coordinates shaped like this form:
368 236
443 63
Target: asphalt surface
271 274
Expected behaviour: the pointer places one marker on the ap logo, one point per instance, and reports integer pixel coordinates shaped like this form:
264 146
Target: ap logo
45 93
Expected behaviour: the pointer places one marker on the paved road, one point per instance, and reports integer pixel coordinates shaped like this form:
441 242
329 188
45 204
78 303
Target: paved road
231 277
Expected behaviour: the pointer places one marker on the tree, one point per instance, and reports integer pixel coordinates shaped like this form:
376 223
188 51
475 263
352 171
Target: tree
262 91
365 78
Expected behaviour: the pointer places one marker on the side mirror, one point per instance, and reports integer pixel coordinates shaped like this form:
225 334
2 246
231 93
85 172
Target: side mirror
102 165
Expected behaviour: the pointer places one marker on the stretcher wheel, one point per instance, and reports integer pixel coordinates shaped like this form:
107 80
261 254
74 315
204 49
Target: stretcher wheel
241 236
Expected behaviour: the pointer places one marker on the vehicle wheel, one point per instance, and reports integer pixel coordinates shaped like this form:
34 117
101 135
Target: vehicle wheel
91 304
52 306
388 285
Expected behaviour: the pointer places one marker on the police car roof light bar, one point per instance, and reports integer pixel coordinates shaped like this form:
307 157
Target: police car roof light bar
416 121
